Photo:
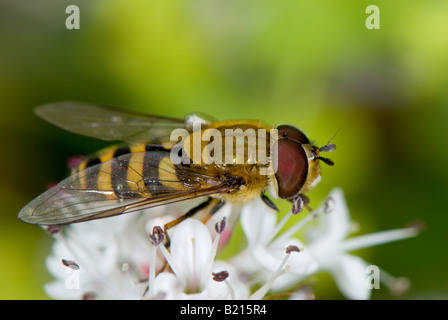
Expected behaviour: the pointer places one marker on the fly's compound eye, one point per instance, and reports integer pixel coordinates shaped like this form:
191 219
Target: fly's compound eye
292 168
286 131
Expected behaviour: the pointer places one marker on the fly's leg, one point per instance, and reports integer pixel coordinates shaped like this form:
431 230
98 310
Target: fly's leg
216 205
269 202
213 204
189 214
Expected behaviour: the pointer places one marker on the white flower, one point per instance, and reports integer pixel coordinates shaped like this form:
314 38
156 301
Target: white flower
114 258
265 251
325 248
192 262
101 250
328 244
124 257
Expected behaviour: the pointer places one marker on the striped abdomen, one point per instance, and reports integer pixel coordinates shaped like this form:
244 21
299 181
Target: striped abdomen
130 171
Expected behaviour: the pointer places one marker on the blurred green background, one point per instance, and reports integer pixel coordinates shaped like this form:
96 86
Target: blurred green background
313 64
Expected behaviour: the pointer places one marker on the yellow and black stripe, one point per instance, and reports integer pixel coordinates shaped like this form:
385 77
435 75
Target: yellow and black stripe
135 171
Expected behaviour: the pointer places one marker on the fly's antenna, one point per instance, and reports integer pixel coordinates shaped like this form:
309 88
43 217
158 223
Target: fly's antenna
329 147
327 161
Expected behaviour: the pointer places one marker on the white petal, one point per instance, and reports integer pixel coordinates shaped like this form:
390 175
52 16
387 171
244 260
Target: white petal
266 259
335 225
349 272
303 293
302 263
109 258
190 248
167 286
337 221
258 222
58 290
245 262
95 233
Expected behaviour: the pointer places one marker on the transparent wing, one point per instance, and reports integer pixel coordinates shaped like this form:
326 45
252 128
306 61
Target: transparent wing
124 184
108 123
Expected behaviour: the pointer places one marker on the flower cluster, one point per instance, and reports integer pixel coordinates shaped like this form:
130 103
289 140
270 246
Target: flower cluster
130 257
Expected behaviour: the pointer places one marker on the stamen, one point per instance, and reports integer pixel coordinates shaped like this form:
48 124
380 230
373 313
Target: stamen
152 270
376 238
220 226
89 296
292 248
397 286
222 276
329 205
70 264
53 229
297 205
169 259
299 225
282 268
400 286
289 249
280 225
157 236
418 225
260 293
125 267
78 250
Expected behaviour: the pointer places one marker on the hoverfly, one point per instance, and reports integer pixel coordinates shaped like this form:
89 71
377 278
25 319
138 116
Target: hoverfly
141 173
